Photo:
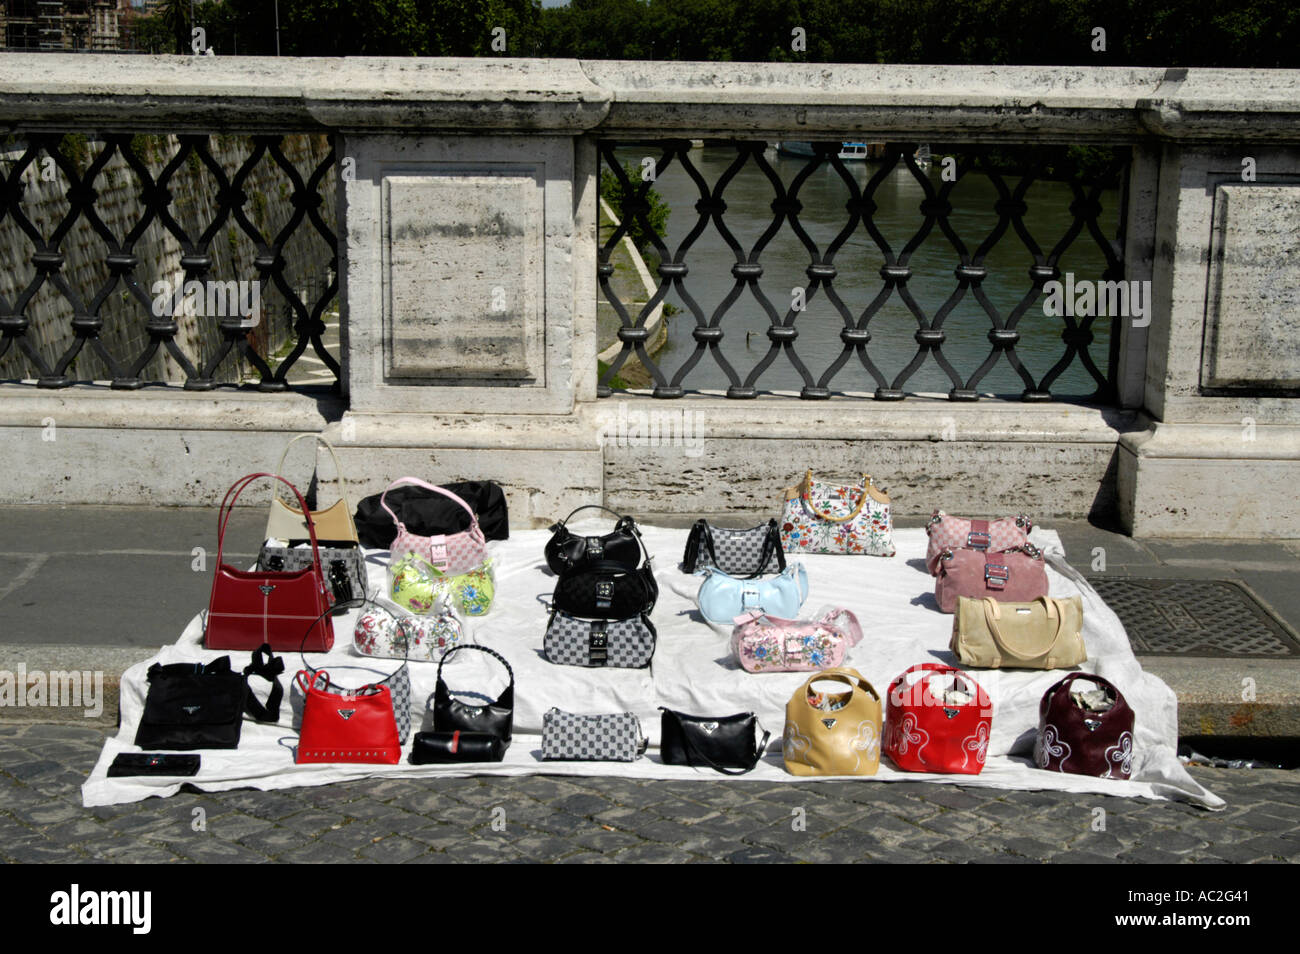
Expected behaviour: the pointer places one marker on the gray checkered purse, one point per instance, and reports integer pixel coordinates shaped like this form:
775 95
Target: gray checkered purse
744 554
615 737
615 643
343 563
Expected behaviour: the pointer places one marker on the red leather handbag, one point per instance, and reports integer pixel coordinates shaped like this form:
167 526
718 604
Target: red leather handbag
289 610
929 733
1018 575
346 726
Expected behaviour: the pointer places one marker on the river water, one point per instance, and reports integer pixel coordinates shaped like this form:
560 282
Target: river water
749 196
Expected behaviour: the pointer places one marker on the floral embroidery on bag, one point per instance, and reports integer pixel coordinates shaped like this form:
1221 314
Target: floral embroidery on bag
869 532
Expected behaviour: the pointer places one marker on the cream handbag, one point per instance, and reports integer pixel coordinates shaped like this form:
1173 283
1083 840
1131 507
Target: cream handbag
334 523
833 733
1045 633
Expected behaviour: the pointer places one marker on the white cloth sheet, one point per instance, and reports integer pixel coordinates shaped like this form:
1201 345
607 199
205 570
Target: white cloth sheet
692 672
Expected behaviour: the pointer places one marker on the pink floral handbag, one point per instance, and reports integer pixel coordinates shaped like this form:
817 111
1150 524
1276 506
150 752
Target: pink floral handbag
947 532
764 643
818 517
453 553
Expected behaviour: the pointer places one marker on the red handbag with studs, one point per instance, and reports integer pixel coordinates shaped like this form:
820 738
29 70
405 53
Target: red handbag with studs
247 608
341 725
947 732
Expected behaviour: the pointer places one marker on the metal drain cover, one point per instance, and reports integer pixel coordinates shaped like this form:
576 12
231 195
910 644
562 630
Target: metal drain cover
1194 618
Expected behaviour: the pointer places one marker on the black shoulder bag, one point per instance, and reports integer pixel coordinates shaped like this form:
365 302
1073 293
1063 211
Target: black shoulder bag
494 718
566 552
193 706
724 743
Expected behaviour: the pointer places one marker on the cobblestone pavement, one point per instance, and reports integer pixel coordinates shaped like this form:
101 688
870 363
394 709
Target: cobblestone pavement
542 818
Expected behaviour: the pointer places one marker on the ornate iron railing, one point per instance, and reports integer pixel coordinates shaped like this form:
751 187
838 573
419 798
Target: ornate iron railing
936 211
235 196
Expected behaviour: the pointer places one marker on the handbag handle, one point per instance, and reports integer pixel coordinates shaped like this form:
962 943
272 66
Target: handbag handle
854 679
852 628
228 508
473 517
936 669
807 498
355 603
269 666
771 545
993 612
338 469
1064 684
686 739
484 649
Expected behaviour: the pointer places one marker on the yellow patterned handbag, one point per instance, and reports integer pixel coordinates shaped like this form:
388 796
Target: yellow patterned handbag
833 733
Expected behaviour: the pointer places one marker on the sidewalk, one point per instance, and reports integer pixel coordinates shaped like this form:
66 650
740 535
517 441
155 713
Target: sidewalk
104 588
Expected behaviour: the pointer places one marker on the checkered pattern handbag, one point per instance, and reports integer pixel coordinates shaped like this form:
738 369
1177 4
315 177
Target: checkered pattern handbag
619 643
740 553
615 737
344 565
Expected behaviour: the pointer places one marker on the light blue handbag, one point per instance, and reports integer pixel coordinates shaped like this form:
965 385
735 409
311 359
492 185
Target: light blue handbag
722 598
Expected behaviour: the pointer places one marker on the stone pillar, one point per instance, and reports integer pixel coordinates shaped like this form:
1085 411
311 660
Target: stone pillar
470 307
1223 368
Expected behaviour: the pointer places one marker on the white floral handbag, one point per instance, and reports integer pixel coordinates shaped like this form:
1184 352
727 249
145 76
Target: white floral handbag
825 518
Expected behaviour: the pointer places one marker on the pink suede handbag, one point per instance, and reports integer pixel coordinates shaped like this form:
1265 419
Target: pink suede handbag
947 532
1018 575
452 553
764 643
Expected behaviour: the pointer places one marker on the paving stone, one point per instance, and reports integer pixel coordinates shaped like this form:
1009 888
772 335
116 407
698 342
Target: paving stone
1266 821
757 854
1142 855
140 854
584 858
319 852
441 836
48 853
604 842
1175 842
312 822
958 824
34 769
653 855
1032 848
393 850
1083 858
546 848
274 842
584 804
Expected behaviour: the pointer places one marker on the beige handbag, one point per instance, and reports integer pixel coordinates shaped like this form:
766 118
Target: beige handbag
1045 633
833 733
334 523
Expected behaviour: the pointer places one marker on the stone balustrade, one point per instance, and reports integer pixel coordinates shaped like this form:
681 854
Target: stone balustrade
460 169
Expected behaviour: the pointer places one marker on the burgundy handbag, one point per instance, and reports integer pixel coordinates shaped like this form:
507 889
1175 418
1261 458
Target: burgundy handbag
1084 740
251 607
948 732
1018 575
947 532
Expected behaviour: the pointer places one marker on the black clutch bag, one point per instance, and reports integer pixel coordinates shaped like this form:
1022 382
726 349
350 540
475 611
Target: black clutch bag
493 718
566 552
436 748
725 744
193 706
607 591
427 513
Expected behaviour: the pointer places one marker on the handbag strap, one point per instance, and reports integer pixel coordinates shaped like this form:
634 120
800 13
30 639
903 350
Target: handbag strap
686 739
993 613
936 669
269 666
852 628
483 649
354 603
1064 685
807 497
473 517
228 508
624 521
851 676
338 469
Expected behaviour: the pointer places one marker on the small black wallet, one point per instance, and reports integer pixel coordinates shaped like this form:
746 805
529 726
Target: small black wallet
153 763
431 748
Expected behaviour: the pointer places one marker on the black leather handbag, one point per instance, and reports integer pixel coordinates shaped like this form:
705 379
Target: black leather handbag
566 552
427 513
437 748
493 718
193 706
744 554
607 591
725 744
